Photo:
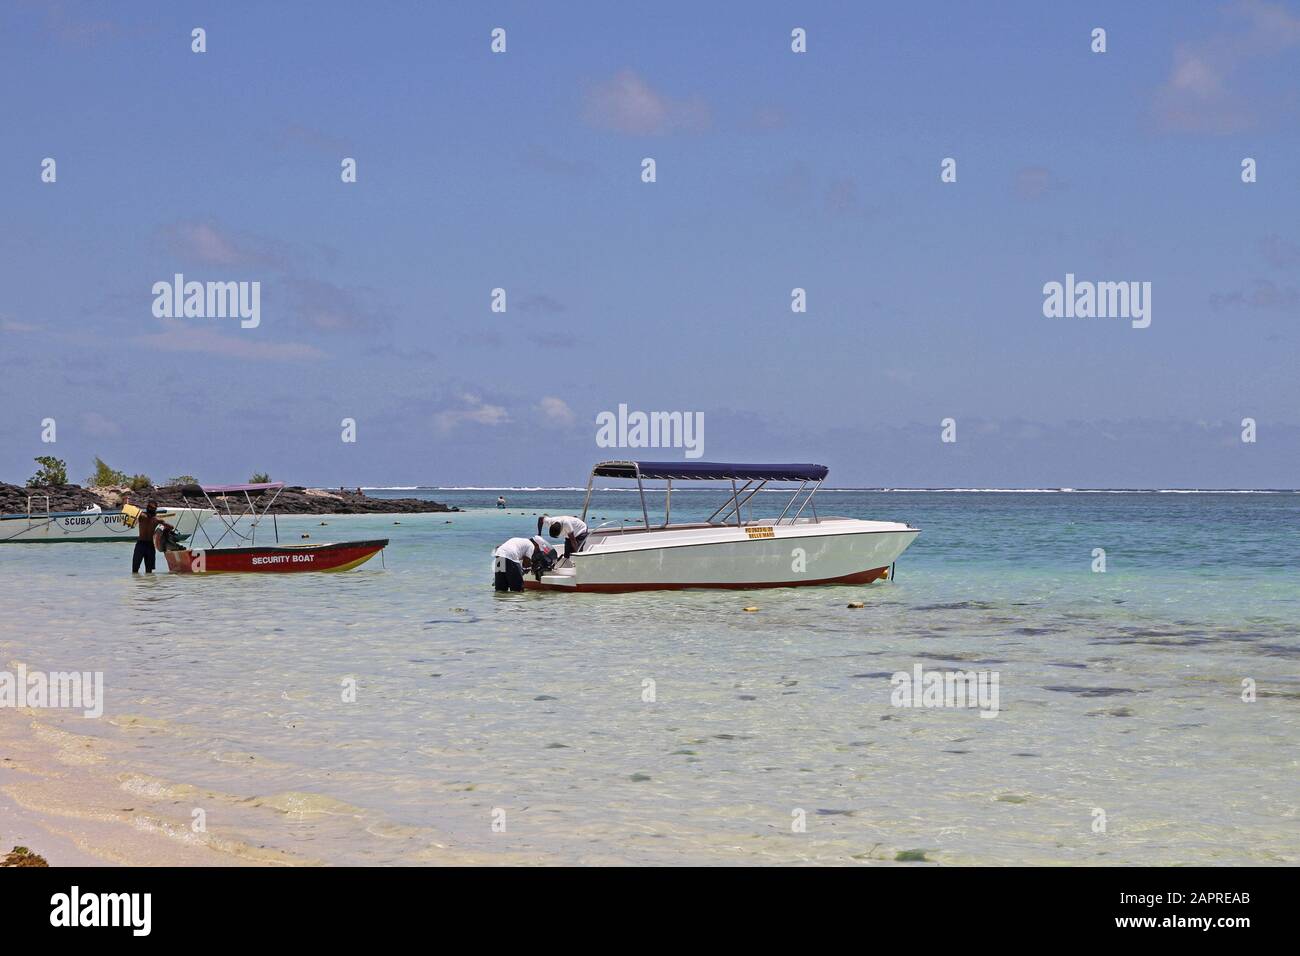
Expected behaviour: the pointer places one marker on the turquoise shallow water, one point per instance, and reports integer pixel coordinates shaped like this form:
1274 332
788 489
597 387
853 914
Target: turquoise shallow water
1120 692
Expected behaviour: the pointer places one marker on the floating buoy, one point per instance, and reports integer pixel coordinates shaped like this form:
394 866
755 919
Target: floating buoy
751 609
323 523
305 535
856 604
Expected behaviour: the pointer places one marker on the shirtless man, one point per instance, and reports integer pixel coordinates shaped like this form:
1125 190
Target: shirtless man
146 524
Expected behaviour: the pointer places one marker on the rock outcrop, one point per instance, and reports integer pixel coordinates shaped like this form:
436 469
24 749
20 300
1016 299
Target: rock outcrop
292 501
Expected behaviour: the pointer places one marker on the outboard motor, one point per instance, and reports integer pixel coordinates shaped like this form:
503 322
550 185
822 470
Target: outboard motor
544 558
166 539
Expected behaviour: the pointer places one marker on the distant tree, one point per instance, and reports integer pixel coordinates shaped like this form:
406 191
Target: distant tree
53 471
183 480
259 478
104 476
139 482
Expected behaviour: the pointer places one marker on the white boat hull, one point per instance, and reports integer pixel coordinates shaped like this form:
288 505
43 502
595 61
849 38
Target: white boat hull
90 525
829 551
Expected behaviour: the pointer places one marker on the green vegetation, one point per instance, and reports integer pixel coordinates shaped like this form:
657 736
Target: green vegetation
53 471
183 480
910 856
259 478
21 856
104 476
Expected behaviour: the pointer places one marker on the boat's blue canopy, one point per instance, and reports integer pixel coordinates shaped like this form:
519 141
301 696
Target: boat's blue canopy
709 470
202 491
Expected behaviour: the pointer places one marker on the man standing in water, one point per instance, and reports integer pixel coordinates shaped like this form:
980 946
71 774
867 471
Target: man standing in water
146 524
516 555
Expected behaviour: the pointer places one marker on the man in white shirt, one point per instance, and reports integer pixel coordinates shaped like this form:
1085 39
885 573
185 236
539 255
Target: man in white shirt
516 554
572 530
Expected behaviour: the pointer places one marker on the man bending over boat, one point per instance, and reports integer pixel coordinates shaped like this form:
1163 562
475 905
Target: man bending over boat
572 530
514 556
146 524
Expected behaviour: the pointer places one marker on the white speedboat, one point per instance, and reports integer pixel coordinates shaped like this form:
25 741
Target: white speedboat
94 524
728 550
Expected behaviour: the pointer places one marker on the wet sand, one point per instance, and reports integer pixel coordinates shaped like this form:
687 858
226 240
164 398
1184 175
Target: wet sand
65 796
58 798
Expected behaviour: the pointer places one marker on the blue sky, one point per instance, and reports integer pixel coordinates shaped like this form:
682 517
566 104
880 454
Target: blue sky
775 170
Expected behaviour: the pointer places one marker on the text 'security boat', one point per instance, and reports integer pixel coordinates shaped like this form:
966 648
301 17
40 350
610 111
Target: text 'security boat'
94 524
273 559
729 550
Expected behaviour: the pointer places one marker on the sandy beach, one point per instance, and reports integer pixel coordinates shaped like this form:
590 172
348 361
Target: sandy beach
62 797
72 798
58 797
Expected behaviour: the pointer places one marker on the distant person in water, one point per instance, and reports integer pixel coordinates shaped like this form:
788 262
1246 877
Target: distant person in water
572 530
146 525
501 501
516 555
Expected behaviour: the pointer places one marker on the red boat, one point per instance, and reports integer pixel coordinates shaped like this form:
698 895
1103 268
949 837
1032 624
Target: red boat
252 557
281 559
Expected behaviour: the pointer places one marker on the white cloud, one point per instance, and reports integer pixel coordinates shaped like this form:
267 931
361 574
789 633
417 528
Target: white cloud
556 411
211 245
1194 75
179 337
627 104
1200 94
322 306
474 412
9 325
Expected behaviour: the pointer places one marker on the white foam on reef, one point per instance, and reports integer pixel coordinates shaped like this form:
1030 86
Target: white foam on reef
508 488
1075 491
969 491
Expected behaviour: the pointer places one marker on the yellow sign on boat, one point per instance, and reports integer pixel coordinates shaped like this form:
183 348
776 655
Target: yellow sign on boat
760 532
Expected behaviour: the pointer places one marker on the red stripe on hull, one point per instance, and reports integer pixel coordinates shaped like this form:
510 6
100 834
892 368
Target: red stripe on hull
858 577
272 560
